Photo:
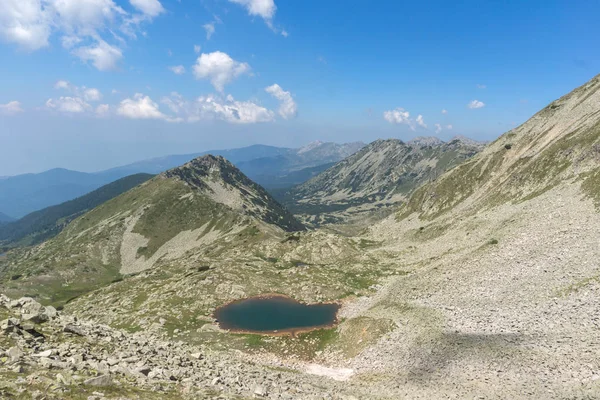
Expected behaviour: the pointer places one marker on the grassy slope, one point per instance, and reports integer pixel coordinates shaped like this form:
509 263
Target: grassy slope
521 164
44 224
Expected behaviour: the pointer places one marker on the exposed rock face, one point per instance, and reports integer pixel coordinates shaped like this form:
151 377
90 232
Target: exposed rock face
226 184
381 174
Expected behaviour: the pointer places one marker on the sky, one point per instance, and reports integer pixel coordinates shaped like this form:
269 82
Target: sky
93 84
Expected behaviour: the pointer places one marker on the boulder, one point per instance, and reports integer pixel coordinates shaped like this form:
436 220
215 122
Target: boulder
9 325
14 355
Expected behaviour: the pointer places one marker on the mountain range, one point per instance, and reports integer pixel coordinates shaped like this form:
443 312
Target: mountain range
481 279
380 175
285 167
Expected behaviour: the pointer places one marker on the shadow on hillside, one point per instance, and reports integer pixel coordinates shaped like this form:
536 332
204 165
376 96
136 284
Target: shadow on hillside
432 360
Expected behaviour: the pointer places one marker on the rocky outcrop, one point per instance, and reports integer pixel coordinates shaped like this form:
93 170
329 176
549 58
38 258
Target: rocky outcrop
80 354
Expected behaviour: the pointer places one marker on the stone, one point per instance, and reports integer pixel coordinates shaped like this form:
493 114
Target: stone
197 356
45 353
259 391
50 312
102 380
9 325
18 369
144 370
35 317
74 329
14 354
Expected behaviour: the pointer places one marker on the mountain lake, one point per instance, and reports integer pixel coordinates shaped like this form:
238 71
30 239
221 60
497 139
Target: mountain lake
275 314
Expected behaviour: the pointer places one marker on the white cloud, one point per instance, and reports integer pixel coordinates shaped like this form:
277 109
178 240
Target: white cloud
217 108
288 108
219 68
102 55
103 110
87 94
11 108
476 104
479 86
438 128
25 23
140 107
70 41
401 116
92 94
262 8
151 8
210 29
449 127
197 49
444 111
62 85
397 116
68 104
85 26
177 69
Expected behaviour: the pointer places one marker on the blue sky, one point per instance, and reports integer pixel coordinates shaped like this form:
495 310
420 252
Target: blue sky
91 84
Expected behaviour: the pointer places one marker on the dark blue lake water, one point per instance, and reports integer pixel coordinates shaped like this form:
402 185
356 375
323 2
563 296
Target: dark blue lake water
268 314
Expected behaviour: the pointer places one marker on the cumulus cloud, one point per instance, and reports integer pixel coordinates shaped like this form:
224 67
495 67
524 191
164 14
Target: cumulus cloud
401 116
177 69
102 55
68 104
397 116
217 108
140 107
264 9
210 29
261 8
25 23
438 128
92 94
476 104
444 111
287 108
449 127
219 68
151 8
84 26
11 108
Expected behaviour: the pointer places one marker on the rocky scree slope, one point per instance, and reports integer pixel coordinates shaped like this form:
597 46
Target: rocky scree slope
45 354
382 174
501 254
204 204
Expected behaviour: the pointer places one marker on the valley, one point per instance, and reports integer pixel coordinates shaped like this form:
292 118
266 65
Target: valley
461 270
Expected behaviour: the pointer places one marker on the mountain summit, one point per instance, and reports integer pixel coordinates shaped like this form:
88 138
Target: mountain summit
182 214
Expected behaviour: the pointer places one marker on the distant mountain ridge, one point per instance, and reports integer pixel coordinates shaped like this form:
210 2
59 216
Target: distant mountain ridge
23 194
46 223
5 218
381 174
